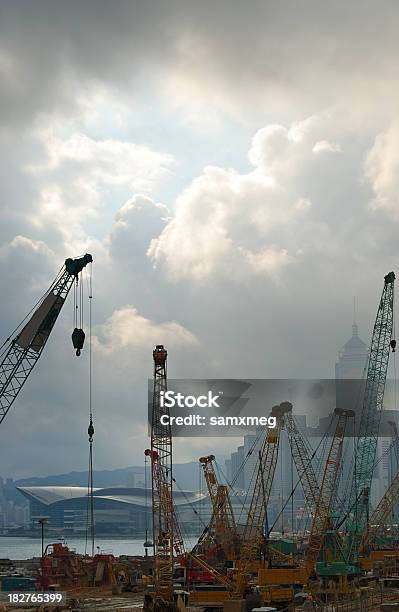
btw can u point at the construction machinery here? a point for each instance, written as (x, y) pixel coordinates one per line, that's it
(254, 528)
(322, 524)
(220, 537)
(275, 584)
(161, 470)
(63, 568)
(328, 554)
(166, 533)
(22, 351)
(307, 569)
(366, 444)
(371, 549)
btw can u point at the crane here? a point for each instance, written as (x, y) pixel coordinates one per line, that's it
(254, 526)
(322, 511)
(210, 476)
(222, 528)
(380, 514)
(166, 532)
(253, 532)
(395, 439)
(307, 476)
(21, 353)
(252, 536)
(303, 461)
(366, 444)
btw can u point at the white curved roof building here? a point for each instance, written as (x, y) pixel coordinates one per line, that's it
(117, 509)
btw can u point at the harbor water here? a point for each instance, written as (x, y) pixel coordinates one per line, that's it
(26, 548)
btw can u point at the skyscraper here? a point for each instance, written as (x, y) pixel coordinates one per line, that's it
(352, 358)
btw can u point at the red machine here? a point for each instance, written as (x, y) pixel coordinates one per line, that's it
(63, 567)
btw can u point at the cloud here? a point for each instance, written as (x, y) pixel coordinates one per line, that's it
(135, 224)
(107, 162)
(26, 266)
(323, 146)
(381, 170)
(126, 328)
(268, 260)
(78, 176)
(126, 131)
(270, 57)
(234, 223)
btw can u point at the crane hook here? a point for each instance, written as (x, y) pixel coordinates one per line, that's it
(78, 340)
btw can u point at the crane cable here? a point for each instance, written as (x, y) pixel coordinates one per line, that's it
(299, 481)
(190, 503)
(90, 486)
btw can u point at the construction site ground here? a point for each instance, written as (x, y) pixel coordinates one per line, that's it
(102, 600)
(90, 599)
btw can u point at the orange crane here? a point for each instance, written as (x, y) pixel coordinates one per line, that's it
(210, 476)
(167, 536)
(166, 532)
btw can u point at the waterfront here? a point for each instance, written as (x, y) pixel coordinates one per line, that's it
(26, 548)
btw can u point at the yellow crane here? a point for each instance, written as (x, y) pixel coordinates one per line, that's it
(222, 529)
(321, 521)
(321, 518)
(253, 533)
(254, 528)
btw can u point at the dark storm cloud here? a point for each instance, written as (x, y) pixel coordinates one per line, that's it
(273, 53)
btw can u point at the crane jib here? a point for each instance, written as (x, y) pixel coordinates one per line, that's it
(23, 351)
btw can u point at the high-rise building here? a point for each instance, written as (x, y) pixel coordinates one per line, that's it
(352, 361)
(352, 358)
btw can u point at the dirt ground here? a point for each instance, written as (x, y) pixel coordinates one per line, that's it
(89, 599)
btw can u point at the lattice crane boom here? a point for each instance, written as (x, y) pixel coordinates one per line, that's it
(22, 352)
(168, 541)
(380, 514)
(253, 531)
(366, 444)
(321, 516)
(303, 462)
(306, 473)
(210, 476)
(222, 528)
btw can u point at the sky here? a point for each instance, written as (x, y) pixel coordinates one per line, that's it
(232, 168)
